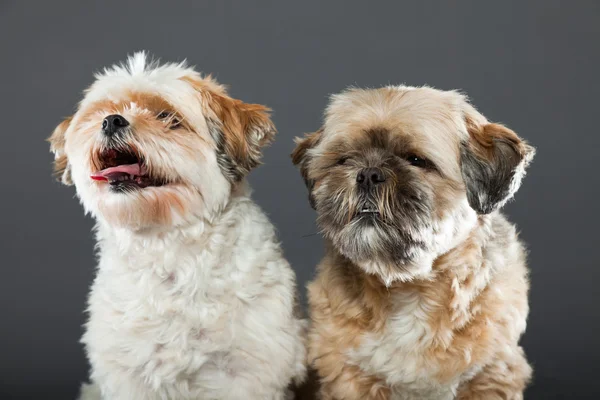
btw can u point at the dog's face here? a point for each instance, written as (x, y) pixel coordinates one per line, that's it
(398, 175)
(155, 145)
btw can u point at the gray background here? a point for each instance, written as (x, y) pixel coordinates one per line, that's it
(530, 64)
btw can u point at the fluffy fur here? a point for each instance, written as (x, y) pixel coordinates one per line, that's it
(422, 293)
(193, 298)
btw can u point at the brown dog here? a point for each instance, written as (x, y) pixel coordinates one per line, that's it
(423, 291)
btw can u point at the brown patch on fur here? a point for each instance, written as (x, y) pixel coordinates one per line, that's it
(148, 101)
(104, 107)
(206, 83)
(239, 129)
(483, 139)
(57, 146)
(152, 207)
(246, 128)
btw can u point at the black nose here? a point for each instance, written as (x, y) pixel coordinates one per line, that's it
(370, 177)
(113, 123)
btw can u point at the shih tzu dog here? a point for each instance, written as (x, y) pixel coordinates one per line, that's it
(193, 298)
(422, 293)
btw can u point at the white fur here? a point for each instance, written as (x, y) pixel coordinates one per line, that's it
(201, 312)
(444, 235)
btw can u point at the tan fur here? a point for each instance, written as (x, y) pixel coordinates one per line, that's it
(470, 323)
(245, 127)
(460, 322)
(344, 303)
(57, 146)
(503, 379)
(309, 141)
(483, 138)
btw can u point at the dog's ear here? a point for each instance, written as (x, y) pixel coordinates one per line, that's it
(493, 163)
(301, 159)
(239, 129)
(62, 169)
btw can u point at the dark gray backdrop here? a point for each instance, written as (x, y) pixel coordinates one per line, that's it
(532, 65)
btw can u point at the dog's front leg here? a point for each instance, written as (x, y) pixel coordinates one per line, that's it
(503, 379)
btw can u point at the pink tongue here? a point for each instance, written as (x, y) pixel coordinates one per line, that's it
(106, 174)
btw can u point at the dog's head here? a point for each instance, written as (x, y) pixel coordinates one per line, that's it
(153, 145)
(398, 175)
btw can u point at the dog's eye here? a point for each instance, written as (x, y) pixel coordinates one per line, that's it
(342, 161)
(419, 162)
(166, 116)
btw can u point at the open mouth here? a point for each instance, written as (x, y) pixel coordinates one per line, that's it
(124, 170)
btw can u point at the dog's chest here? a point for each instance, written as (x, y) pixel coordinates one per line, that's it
(398, 352)
(166, 313)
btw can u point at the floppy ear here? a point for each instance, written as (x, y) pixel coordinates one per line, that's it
(62, 169)
(301, 159)
(240, 131)
(493, 163)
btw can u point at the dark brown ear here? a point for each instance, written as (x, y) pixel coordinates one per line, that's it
(62, 169)
(301, 159)
(493, 163)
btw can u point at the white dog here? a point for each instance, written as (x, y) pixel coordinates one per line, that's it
(193, 298)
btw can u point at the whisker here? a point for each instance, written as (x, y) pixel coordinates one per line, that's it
(309, 235)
